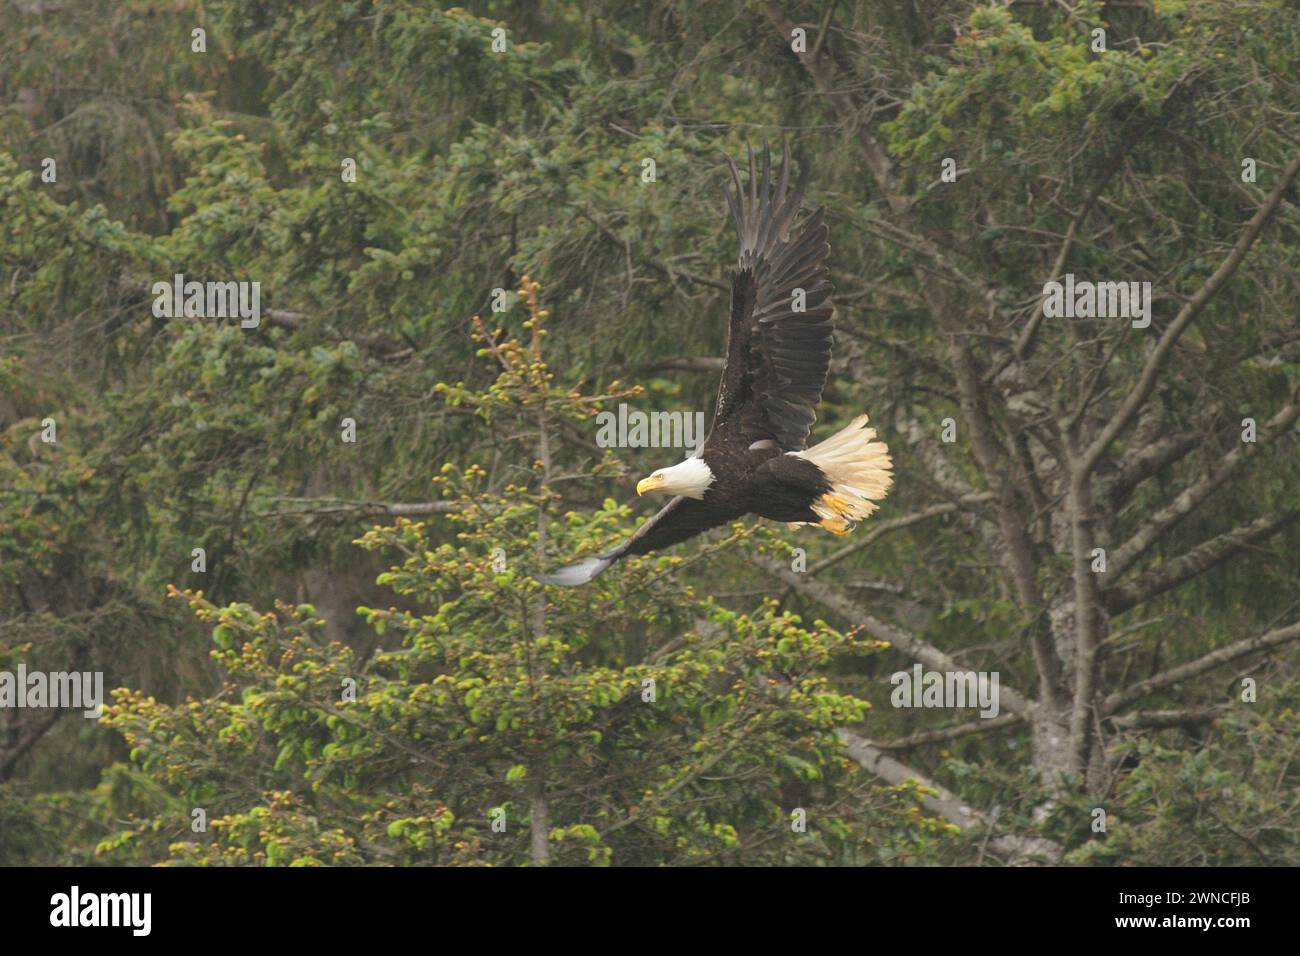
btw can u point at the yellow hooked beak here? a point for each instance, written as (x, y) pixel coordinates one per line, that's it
(649, 484)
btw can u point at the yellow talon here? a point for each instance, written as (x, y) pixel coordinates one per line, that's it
(837, 525)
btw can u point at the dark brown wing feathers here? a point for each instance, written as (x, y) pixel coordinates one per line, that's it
(777, 358)
(678, 520)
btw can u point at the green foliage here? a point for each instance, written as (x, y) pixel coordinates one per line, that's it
(476, 689)
(1231, 802)
(665, 729)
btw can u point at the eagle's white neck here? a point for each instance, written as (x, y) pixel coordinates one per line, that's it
(691, 478)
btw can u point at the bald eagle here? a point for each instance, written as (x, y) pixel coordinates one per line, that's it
(755, 459)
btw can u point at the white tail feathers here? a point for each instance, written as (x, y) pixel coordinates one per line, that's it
(859, 470)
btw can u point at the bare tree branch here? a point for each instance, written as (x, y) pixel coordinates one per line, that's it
(1195, 562)
(893, 524)
(944, 734)
(327, 506)
(946, 804)
(1148, 462)
(1164, 719)
(1200, 665)
(1191, 497)
(916, 648)
(1087, 624)
(1190, 310)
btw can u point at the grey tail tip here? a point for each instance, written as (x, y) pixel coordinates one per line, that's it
(576, 574)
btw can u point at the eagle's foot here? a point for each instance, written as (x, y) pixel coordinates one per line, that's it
(836, 513)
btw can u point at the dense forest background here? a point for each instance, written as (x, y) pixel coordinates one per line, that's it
(460, 250)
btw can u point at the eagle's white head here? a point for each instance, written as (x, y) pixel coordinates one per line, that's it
(690, 478)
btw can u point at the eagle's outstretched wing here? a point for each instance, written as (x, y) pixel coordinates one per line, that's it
(676, 521)
(778, 340)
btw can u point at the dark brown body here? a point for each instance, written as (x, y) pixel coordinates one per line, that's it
(762, 481)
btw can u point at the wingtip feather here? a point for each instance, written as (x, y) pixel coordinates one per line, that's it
(575, 574)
